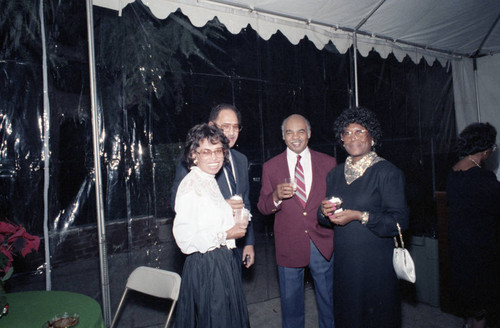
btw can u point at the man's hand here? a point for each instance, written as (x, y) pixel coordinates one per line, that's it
(248, 250)
(283, 191)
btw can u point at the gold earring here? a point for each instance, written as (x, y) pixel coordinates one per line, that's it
(373, 143)
(195, 162)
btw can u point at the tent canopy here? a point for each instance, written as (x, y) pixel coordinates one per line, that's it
(431, 29)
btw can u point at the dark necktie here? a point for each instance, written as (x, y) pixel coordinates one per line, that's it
(301, 182)
(230, 177)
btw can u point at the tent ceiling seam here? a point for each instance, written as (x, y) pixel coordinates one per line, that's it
(370, 14)
(478, 51)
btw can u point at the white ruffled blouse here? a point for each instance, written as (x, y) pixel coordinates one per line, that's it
(202, 214)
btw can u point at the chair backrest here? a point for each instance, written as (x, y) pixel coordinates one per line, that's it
(155, 282)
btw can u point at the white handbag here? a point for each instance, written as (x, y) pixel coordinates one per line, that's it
(402, 261)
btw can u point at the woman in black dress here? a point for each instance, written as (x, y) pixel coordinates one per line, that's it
(372, 190)
(474, 198)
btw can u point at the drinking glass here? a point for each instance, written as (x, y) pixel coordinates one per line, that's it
(293, 181)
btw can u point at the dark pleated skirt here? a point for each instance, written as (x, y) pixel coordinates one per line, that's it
(211, 292)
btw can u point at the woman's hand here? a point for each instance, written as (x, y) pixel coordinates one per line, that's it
(327, 208)
(235, 203)
(344, 217)
(236, 232)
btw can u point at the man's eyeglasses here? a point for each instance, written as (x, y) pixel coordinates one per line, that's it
(227, 127)
(358, 133)
(207, 153)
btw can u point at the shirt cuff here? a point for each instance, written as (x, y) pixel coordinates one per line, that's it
(221, 238)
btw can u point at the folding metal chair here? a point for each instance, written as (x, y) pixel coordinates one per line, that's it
(154, 282)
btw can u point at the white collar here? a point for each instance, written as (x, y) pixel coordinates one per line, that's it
(201, 172)
(305, 154)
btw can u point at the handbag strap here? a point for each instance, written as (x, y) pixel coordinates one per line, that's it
(400, 237)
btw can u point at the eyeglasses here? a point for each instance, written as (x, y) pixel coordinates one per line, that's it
(227, 127)
(358, 133)
(207, 153)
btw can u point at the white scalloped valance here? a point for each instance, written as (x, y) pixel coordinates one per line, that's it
(433, 30)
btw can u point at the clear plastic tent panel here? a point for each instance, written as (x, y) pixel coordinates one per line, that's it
(156, 79)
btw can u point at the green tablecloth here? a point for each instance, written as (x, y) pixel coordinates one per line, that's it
(33, 309)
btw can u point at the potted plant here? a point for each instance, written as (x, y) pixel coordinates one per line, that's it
(14, 241)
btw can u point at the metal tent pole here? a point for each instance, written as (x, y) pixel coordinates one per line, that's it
(355, 58)
(476, 89)
(46, 153)
(101, 228)
(355, 45)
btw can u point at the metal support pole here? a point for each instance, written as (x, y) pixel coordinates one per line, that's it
(101, 228)
(474, 62)
(46, 153)
(355, 58)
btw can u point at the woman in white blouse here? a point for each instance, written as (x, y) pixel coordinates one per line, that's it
(211, 292)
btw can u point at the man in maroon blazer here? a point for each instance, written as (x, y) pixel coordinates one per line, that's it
(300, 241)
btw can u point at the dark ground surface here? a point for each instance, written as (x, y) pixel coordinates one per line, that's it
(260, 284)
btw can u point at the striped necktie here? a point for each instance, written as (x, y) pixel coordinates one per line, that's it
(301, 182)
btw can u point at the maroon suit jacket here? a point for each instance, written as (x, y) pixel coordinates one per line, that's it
(294, 226)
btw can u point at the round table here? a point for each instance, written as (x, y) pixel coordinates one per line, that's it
(35, 308)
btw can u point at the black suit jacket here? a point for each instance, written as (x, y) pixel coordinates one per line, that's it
(240, 163)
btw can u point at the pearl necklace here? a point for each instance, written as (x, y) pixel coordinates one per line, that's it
(473, 161)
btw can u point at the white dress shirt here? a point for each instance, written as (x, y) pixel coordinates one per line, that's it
(202, 214)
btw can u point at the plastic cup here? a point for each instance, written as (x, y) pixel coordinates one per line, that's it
(241, 217)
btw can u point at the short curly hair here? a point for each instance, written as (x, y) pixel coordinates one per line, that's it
(475, 138)
(196, 135)
(359, 115)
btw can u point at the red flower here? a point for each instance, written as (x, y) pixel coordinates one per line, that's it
(14, 240)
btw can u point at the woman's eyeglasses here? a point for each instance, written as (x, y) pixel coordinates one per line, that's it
(358, 133)
(207, 153)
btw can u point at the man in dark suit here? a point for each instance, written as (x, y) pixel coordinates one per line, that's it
(300, 241)
(232, 178)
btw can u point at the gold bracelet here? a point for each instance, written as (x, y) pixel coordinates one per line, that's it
(364, 218)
